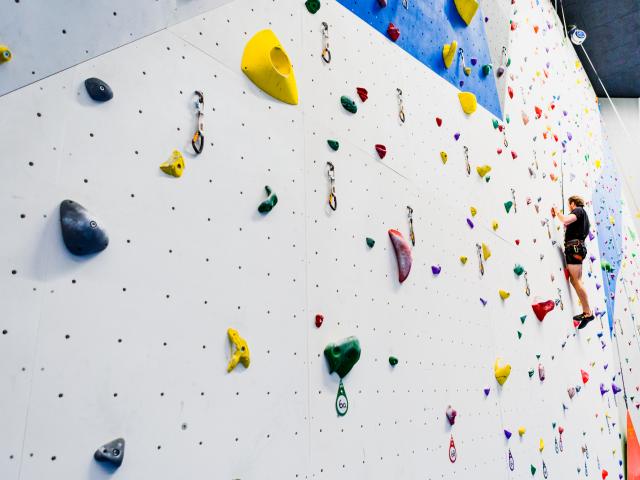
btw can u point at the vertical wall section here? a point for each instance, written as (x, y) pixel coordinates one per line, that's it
(132, 342)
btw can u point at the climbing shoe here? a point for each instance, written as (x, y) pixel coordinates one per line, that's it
(583, 319)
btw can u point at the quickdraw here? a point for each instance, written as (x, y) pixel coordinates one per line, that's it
(512, 464)
(465, 69)
(479, 248)
(527, 290)
(560, 296)
(545, 472)
(405, 4)
(400, 106)
(513, 195)
(333, 200)
(411, 233)
(197, 142)
(466, 160)
(557, 445)
(501, 68)
(326, 54)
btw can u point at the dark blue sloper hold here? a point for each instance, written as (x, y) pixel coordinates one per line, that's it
(98, 90)
(80, 230)
(112, 452)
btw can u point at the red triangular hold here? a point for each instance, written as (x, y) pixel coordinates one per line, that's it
(585, 376)
(633, 451)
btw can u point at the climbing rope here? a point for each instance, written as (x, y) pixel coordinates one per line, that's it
(197, 142)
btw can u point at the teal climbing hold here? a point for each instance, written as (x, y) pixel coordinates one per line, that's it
(312, 5)
(486, 69)
(508, 205)
(393, 361)
(495, 123)
(341, 357)
(270, 202)
(370, 242)
(518, 269)
(334, 145)
(348, 104)
(523, 318)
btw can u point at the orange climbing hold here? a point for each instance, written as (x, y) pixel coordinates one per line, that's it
(633, 451)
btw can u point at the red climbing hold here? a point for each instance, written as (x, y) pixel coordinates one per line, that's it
(605, 474)
(541, 309)
(439, 121)
(585, 376)
(362, 93)
(517, 242)
(381, 149)
(382, 3)
(393, 32)
(510, 91)
(403, 254)
(538, 112)
(319, 320)
(514, 155)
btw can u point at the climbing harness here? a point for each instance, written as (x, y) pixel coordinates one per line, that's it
(465, 69)
(197, 142)
(333, 200)
(479, 248)
(513, 195)
(527, 290)
(326, 54)
(502, 67)
(466, 160)
(400, 105)
(411, 234)
(453, 453)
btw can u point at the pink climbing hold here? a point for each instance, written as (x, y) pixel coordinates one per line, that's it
(499, 151)
(541, 309)
(403, 254)
(393, 32)
(381, 149)
(451, 415)
(362, 93)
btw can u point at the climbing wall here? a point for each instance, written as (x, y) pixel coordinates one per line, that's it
(132, 342)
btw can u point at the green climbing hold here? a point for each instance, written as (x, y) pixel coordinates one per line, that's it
(312, 5)
(518, 269)
(538, 356)
(486, 69)
(519, 334)
(370, 242)
(523, 318)
(348, 104)
(533, 470)
(508, 61)
(508, 205)
(342, 356)
(487, 178)
(334, 145)
(531, 372)
(495, 123)
(269, 203)
(605, 265)
(508, 118)
(393, 361)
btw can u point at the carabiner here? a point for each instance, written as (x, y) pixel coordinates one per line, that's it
(326, 54)
(197, 142)
(400, 105)
(411, 233)
(479, 248)
(333, 200)
(466, 159)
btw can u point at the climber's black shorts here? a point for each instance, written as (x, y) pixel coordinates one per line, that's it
(575, 253)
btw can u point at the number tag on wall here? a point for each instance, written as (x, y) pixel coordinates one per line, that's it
(342, 403)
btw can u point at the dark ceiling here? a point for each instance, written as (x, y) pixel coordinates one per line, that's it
(613, 42)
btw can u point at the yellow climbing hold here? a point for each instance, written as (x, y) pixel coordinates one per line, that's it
(463, 260)
(5, 54)
(612, 220)
(486, 253)
(501, 372)
(474, 211)
(467, 9)
(494, 225)
(449, 53)
(175, 165)
(483, 170)
(241, 354)
(541, 447)
(598, 163)
(444, 157)
(504, 294)
(267, 65)
(468, 102)
(521, 431)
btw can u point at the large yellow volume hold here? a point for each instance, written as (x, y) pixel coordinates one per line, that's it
(467, 9)
(501, 373)
(267, 65)
(468, 102)
(5, 54)
(241, 353)
(449, 53)
(175, 165)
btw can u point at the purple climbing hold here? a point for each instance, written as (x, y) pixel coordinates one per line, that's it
(483, 301)
(486, 392)
(470, 223)
(474, 61)
(436, 269)
(591, 237)
(507, 434)
(615, 389)
(598, 286)
(602, 389)
(456, 136)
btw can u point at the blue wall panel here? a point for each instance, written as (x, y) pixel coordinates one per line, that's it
(424, 28)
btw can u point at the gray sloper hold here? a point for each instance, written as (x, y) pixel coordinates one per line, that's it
(112, 452)
(81, 231)
(98, 89)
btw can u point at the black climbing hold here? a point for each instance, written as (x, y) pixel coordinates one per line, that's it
(98, 90)
(80, 230)
(112, 452)
(312, 5)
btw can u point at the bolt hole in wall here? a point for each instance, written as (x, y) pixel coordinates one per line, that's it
(422, 362)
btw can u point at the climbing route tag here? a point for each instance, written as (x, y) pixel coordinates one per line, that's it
(453, 453)
(342, 402)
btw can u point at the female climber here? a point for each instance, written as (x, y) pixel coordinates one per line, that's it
(576, 226)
